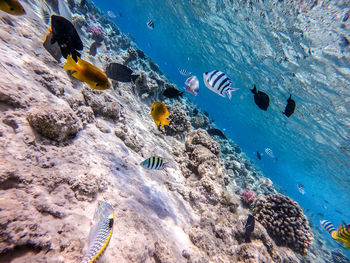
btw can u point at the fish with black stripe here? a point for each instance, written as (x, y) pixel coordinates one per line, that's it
(218, 82)
(342, 234)
(153, 163)
(100, 232)
(150, 24)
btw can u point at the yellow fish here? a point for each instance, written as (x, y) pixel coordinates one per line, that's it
(159, 112)
(86, 72)
(342, 235)
(12, 7)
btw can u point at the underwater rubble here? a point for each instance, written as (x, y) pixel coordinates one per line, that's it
(63, 146)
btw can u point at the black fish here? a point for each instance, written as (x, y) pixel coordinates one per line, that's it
(249, 228)
(261, 99)
(258, 155)
(120, 72)
(64, 33)
(289, 110)
(217, 132)
(172, 93)
(195, 112)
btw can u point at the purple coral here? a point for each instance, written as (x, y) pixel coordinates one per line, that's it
(97, 33)
(248, 196)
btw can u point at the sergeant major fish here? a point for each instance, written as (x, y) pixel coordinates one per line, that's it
(88, 73)
(150, 24)
(342, 234)
(100, 232)
(153, 163)
(218, 82)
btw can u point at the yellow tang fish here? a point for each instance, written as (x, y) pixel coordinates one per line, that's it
(86, 72)
(159, 112)
(12, 7)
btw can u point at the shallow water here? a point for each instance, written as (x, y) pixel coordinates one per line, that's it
(284, 47)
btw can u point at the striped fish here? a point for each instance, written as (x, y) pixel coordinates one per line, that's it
(342, 234)
(269, 152)
(218, 82)
(100, 232)
(184, 72)
(150, 24)
(153, 163)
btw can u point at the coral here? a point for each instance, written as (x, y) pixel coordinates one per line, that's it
(131, 140)
(130, 55)
(54, 122)
(200, 121)
(179, 122)
(339, 257)
(97, 33)
(248, 196)
(78, 20)
(201, 137)
(284, 220)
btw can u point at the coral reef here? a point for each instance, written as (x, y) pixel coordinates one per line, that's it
(179, 123)
(248, 196)
(284, 220)
(97, 33)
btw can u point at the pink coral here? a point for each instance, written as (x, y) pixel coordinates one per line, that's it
(97, 33)
(248, 196)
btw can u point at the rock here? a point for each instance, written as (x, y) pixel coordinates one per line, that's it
(10, 120)
(55, 122)
(132, 141)
(162, 253)
(339, 257)
(179, 122)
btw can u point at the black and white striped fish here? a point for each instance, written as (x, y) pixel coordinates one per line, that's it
(184, 72)
(150, 24)
(218, 82)
(153, 163)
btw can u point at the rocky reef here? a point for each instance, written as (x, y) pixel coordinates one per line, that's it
(64, 146)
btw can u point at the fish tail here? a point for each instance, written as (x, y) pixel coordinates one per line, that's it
(134, 77)
(181, 94)
(164, 122)
(71, 64)
(231, 90)
(254, 90)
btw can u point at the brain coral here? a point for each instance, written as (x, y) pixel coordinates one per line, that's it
(284, 220)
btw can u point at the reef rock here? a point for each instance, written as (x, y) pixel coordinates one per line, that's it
(179, 122)
(284, 220)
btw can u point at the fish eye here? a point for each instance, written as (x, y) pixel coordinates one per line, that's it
(97, 84)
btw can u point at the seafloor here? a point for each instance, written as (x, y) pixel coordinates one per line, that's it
(64, 146)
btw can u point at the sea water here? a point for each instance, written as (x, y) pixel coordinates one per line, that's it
(284, 47)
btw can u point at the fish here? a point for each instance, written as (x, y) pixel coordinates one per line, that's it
(269, 152)
(289, 110)
(258, 155)
(218, 82)
(64, 33)
(111, 14)
(184, 72)
(100, 232)
(153, 163)
(120, 72)
(216, 132)
(88, 73)
(249, 228)
(172, 93)
(342, 234)
(93, 48)
(159, 113)
(53, 49)
(12, 7)
(301, 189)
(150, 24)
(262, 100)
(64, 10)
(82, 3)
(192, 85)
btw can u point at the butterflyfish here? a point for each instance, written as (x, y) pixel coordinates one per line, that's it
(159, 113)
(88, 73)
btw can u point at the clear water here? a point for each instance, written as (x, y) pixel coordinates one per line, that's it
(283, 47)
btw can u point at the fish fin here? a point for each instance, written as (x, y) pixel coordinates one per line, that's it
(231, 90)
(181, 94)
(134, 77)
(254, 90)
(71, 65)
(290, 97)
(164, 122)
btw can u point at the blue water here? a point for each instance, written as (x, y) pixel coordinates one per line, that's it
(281, 46)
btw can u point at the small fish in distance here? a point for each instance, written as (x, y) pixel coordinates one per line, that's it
(269, 152)
(150, 24)
(301, 189)
(12, 7)
(249, 228)
(289, 110)
(258, 155)
(216, 132)
(218, 82)
(120, 73)
(172, 93)
(153, 163)
(184, 72)
(111, 14)
(64, 33)
(192, 85)
(88, 73)
(261, 99)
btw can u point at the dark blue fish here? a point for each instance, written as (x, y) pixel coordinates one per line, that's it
(216, 132)
(258, 155)
(289, 110)
(261, 99)
(249, 228)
